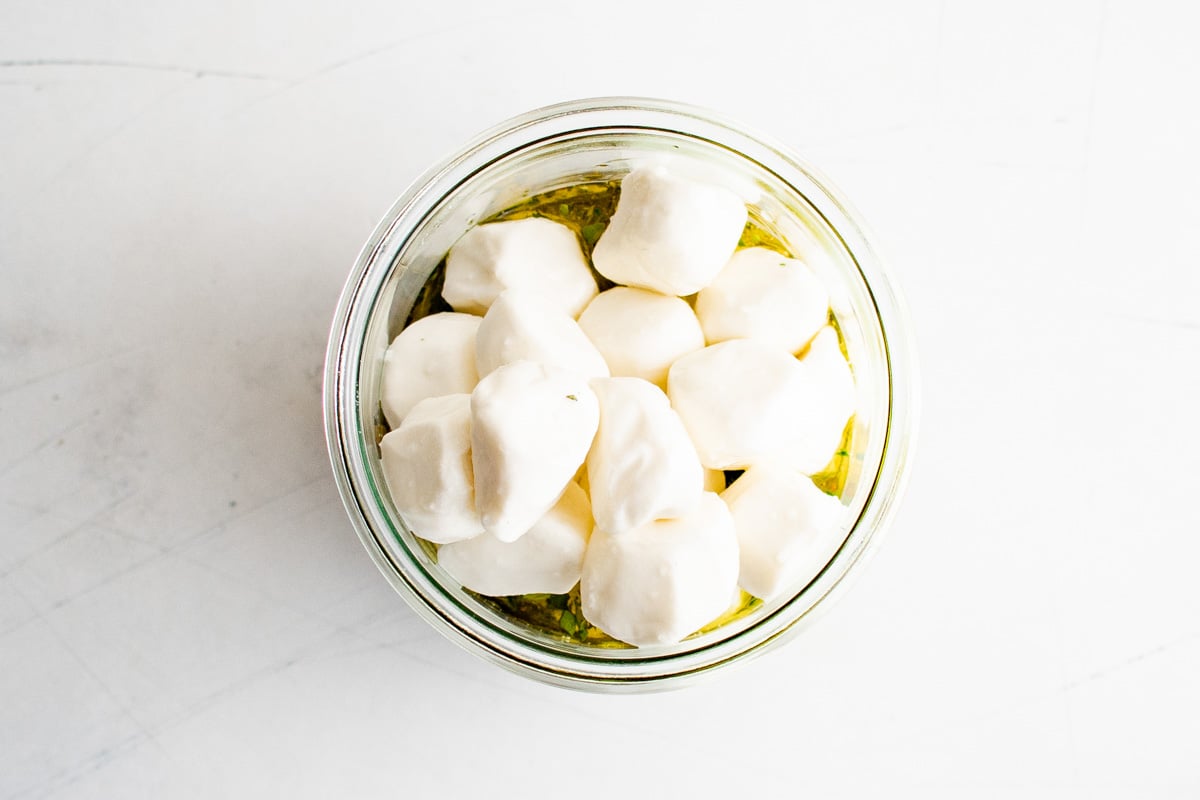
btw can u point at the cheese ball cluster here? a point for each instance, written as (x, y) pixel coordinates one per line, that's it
(545, 434)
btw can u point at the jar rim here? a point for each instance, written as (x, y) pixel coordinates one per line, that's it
(363, 292)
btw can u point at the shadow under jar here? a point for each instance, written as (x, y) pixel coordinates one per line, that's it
(598, 142)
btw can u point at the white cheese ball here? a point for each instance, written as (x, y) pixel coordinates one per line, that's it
(744, 402)
(533, 253)
(427, 469)
(432, 357)
(763, 295)
(548, 558)
(641, 333)
(738, 400)
(669, 234)
(642, 465)
(531, 428)
(660, 582)
(787, 529)
(520, 326)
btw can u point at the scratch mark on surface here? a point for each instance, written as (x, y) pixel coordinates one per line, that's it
(15, 565)
(1124, 664)
(142, 732)
(111, 578)
(244, 511)
(1090, 124)
(69, 776)
(334, 66)
(1179, 324)
(45, 376)
(1065, 700)
(326, 69)
(25, 616)
(75, 161)
(42, 445)
(200, 705)
(197, 72)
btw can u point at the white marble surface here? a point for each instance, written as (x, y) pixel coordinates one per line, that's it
(185, 610)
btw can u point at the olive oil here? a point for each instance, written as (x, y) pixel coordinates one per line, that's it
(587, 208)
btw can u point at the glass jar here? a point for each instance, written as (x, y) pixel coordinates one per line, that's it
(598, 140)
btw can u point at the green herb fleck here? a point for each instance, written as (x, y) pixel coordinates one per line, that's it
(568, 623)
(591, 232)
(572, 397)
(564, 209)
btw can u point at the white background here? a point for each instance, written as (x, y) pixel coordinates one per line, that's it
(185, 610)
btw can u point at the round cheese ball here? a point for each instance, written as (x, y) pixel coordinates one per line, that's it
(534, 253)
(548, 558)
(531, 428)
(763, 295)
(432, 357)
(642, 465)
(664, 580)
(641, 333)
(744, 402)
(787, 528)
(427, 469)
(669, 233)
(520, 326)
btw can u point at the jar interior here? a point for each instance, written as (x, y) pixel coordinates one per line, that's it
(565, 160)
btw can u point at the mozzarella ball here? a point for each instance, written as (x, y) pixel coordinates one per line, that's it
(642, 465)
(738, 400)
(641, 333)
(763, 295)
(548, 558)
(427, 469)
(531, 428)
(787, 529)
(521, 327)
(432, 357)
(744, 402)
(669, 233)
(534, 253)
(664, 580)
